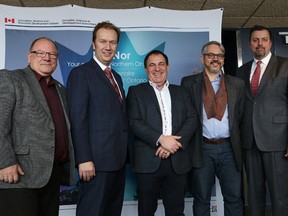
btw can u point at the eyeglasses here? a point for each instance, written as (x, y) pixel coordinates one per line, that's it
(42, 54)
(220, 56)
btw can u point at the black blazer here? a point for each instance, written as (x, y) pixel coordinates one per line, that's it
(98, 121)
(236, 101)
(146, 124)
(266, 114)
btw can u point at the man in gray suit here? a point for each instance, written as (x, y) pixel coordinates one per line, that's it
(219, 101)
(265, 125)
(36, 150)
(163, 120)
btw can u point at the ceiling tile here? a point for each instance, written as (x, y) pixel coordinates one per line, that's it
(50, 3)
(11, 2)
(115, 4)
(236, 14)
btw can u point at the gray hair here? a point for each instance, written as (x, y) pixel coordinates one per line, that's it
(204, 48)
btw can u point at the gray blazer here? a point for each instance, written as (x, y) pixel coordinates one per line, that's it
(236, 101)
(27, 130)
(146, 124)
(266, 114)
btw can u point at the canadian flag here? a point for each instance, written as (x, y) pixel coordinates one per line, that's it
(8, 20)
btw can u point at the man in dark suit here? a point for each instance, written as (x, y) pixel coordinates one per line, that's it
(163, 120)
(265, 125)
(36, 148)
(96, 102)
(219, 101)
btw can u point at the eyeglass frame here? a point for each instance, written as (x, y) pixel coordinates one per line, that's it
(42, 54)
(220, 56)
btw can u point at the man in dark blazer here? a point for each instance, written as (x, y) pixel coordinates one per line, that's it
(264, 130)
(36, 153)
(219, 101)
(96, 102)
(162, 120)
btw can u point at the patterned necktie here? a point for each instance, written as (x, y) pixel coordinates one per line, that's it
(255, 78)
(110, 77)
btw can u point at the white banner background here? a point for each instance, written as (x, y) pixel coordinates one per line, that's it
(180, 34)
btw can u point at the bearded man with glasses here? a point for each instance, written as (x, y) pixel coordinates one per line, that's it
(216, 146)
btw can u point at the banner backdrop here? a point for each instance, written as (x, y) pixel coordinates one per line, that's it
(180, 34)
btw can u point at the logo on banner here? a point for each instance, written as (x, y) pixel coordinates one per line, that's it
(70, 59)
(127, 62)
(9, 20)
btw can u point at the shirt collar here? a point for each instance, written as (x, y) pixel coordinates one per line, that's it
(166, 85)
(40, 78)
(218, 78)
(264, 60)
(103, 67)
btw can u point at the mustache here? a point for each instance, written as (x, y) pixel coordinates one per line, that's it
(215, 61)
(260, 47)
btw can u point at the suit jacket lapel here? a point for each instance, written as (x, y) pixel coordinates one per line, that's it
(63, 102)
(101, 75)
(198, 90)
(231, 92)
(151, 94)
(173, 105)
(246, 77)
(268, 73)
(121, 88)
(37, 90)
(119, 82)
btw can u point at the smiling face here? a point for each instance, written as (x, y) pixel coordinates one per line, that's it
(260, 44)
(105, 45)
(157, 69)
(213, 60)
(43, 65)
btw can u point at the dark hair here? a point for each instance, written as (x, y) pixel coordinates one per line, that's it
(259, 28)
(155, 52)
(106, 25)
(204, 48)
(41, 38)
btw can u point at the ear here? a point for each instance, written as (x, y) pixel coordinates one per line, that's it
(202, 59)
(94, 47)
(29, 57)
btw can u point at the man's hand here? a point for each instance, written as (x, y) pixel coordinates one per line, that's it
(286, 155)
(86, 171)
(162, 153)
(11, 174)
(170, 143)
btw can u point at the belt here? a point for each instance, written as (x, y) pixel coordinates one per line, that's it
(216, 141)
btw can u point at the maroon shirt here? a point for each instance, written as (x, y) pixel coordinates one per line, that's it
(57, 113)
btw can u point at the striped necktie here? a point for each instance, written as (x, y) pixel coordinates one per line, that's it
(255, 78)
(110, 77)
